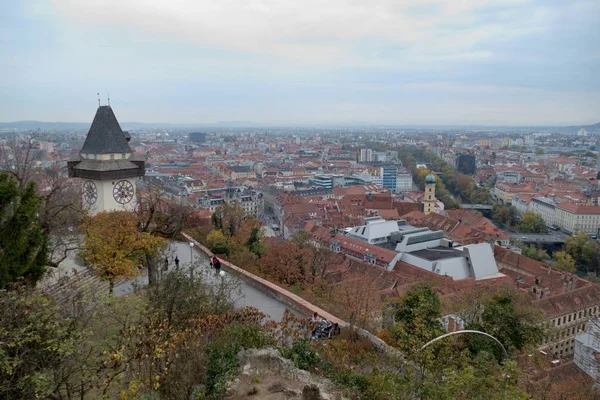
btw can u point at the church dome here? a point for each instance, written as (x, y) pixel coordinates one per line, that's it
(430, 178)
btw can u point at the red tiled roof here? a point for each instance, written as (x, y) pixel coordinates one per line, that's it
(357, 246)
(577, 209)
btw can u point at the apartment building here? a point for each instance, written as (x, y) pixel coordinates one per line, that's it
(566, 300)
(573, 218)
(504, 192)
(546, 207)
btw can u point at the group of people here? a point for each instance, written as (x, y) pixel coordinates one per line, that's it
(214, 262)
(166, 266)
(322, 328)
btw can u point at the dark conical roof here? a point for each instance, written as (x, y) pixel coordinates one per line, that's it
(105, 134)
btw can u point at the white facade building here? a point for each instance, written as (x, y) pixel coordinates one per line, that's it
(546, 207)
(587, 349)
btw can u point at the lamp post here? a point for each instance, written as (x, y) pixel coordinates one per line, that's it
(192, 260)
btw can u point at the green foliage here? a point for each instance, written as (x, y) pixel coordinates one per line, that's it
(228, 218)
(449, 182)
(564, 261)
(506, 315)
(217, 242)
(221, 365)
(592, 277)
(584, 250)
(254, 243)
(180, 298)
(532, 222)
(23, 244)
(462, 378)
(506, 215)
(222, 362)
(302, 355)
(535, 252)
(32, 340)
(416, 318)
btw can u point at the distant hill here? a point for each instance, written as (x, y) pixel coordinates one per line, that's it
(83, 126)
(594, 128)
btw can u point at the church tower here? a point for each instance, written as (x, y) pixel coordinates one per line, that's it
(107, 166)
(429, 199)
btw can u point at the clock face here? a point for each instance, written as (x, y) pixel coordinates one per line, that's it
(123, 192)
(90, 192)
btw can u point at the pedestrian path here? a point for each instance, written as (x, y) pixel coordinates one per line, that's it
(249, 295)
(246, 296)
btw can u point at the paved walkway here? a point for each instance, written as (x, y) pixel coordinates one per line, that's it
(250, 296)
(247, 296)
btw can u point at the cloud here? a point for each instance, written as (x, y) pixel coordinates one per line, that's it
(306, 30)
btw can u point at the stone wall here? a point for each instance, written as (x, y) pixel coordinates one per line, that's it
(293, 301)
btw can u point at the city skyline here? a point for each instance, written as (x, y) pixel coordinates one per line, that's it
(300, 63)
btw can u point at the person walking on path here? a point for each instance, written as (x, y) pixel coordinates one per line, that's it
(176, 262)
(166, 267)
(216, 264)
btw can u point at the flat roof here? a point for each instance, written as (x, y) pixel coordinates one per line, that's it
(435, 253)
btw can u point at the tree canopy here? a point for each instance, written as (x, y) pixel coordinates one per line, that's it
(584, 250)
(115, 247)
(564, 261)
(532, 222)
(23, 244)
(504, 214)
(416, 316)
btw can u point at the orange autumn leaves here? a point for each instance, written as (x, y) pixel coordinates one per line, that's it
(114, 245)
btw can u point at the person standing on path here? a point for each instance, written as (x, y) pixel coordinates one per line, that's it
(176, 262)
(216, 264)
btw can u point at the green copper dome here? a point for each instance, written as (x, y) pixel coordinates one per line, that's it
(430, 178)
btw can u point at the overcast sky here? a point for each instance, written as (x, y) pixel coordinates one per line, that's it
(302, 61)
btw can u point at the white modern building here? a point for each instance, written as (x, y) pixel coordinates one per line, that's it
(423, 248)
(366, 155)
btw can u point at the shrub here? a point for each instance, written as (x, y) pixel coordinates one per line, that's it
(303, 356)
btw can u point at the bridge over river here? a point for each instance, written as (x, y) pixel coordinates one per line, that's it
(529, 238)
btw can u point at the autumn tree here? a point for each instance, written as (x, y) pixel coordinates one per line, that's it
(228, 217)
(23, 244)
(114, 246)
(217, 242)
(584, 250)
(161, 216)
(285, 262)
(564, 261)
(355, 299)
(532, 222)
(320, 262)
(504, 214)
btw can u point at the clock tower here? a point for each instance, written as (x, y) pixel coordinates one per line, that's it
(107, 166)
(429, 200)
